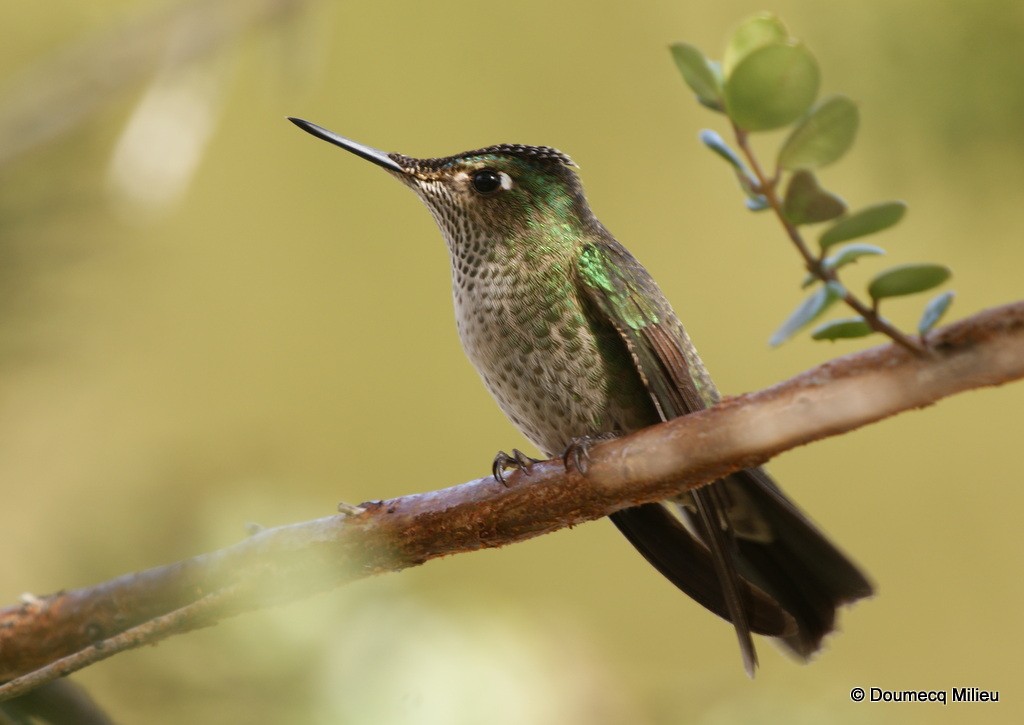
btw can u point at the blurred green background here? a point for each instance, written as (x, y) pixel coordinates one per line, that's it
(207, 318)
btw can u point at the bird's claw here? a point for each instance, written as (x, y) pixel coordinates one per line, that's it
(578, 451)
(503, 461)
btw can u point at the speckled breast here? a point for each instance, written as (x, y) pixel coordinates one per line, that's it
(555, 373)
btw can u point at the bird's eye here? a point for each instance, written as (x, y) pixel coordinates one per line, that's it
(487, 181)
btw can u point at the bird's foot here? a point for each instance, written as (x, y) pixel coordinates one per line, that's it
(518, 461)
(578, 451)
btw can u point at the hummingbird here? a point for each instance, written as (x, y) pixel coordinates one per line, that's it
(576, 342)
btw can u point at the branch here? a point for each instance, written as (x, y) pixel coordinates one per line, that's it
(293, 562)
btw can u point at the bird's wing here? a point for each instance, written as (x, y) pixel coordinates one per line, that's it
(623, 294)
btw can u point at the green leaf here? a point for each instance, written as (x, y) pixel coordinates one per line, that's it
(755, 201)
(699, 75)
(870, 220)
(851, 253)
(823, 136)
(808, 311)
(751, 34)
(847, 255)
(772, 87)
(716, 143)
(907, 279)
(807, 203)
(934, 311)
(845, 328)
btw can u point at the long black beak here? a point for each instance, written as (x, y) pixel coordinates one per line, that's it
(367, 152)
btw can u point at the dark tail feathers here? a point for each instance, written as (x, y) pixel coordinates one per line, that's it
(793, 580)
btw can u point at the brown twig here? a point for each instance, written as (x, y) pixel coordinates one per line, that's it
(199, 613)
(291, 562)
(767, 187)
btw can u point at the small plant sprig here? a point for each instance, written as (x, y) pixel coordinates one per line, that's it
(767, 81)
